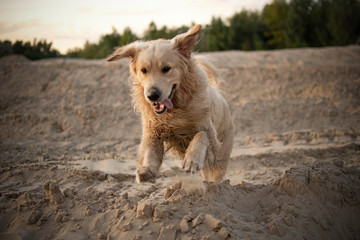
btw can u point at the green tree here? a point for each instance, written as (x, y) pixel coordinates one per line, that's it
(343, 21)
(300, 28)
(246, 31)
(106, 44)
(127, 37)
(18, 47)
(217, 35)
(175, 31)
(5, 48)
(74, 52)
(89, 51)
(274, 15)
(151, 32)
(320, 17)
(35, 50)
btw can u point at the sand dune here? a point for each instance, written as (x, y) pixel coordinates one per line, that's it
(69, 138)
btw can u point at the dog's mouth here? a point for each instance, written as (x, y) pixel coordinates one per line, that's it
(161, 107)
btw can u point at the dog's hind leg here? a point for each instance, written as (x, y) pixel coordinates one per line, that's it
(196, 152)
(216, 165)
(150, 159)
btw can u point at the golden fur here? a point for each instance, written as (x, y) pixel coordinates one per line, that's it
(194, 121)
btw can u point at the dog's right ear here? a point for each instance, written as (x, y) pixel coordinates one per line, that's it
(129, 50)
(185, 42)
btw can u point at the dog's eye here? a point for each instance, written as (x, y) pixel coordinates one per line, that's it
(143, 70)
(165, 69)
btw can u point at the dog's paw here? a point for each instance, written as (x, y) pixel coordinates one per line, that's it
(144, 174)
(194, 159)
(192, 164)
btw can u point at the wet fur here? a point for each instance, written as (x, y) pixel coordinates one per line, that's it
(198, 128)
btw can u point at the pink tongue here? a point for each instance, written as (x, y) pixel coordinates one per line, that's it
(168, 103)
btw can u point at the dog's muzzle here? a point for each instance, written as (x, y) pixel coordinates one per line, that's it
(161, 107)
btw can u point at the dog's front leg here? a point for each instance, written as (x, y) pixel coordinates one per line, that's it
(196, 152)
(150, 159)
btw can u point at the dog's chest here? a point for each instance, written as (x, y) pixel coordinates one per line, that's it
(178, 129)
(177, 138)
(183, 134)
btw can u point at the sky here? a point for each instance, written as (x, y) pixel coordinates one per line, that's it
(69, 23)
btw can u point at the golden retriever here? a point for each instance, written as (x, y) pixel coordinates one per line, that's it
(180, 105)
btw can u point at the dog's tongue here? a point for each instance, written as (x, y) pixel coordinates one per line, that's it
(168, 103)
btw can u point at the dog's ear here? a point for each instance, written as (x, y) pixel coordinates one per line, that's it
(185, 42)
(129, 50)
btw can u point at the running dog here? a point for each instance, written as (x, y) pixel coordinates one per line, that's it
(181, 106)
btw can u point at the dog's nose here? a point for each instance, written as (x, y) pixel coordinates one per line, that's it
(154, 94)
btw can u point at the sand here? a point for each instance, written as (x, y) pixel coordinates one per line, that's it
(69, 138)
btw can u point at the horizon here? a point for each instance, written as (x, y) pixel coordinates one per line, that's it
(69, 25)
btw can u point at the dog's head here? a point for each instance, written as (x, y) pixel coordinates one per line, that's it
(156, 66)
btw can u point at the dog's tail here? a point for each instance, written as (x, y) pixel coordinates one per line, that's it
(212, 72)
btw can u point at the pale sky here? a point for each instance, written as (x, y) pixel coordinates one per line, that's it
(69, 23)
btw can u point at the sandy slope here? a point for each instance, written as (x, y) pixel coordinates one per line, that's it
(69, 136)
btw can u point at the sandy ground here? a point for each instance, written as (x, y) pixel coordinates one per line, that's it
(69, 138)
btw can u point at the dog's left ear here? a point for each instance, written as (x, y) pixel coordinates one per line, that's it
(129, 50)
(185, 42)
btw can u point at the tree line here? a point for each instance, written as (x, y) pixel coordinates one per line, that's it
(280, 24)
(32, 50)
